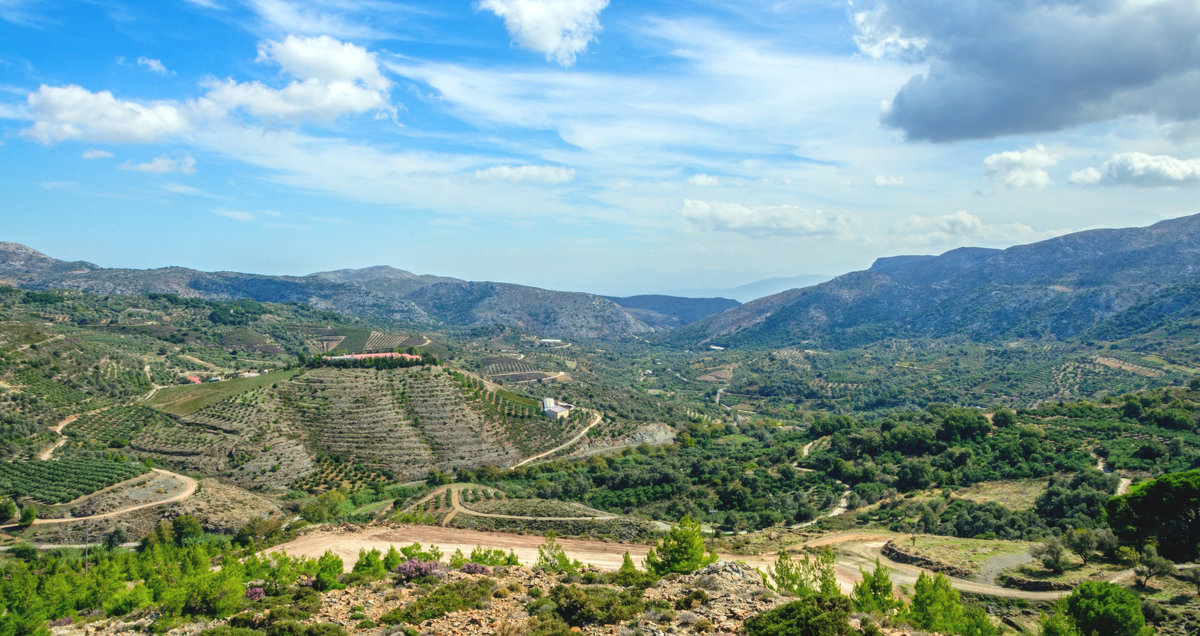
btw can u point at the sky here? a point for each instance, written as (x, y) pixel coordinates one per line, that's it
(596, 145)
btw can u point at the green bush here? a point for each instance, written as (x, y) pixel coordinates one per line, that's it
(452, 597)
(820, 615)
(681, 550)
(579, 606)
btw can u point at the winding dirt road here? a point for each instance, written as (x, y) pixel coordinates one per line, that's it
(189, 484)
(578, 436)
(188, 490)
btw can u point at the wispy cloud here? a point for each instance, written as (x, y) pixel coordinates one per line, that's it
(236, 215)
(154, 65)
(164, 164)
(545, 174)
(93, 153)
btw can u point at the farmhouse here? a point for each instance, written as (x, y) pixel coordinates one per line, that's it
(556, 410)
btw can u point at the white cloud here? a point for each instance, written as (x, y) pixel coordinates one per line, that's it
(94, 153)
(333, 78)
(884, 181)
(58, 185)
(205, 4)
(72, 112)
(765, 221)
(1141, 170)
(1020, 168)
(961, 228)
(236, 215)
(164, 164)
(561, 29)
(326, 60)
(153, 64)
(547, 174)
(704, 180)
(317, 17)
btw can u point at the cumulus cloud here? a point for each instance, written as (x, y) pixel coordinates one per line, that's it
(884, 181)
(766, 220)
(561, 29)
(72, 112)
(164, 164)
(998, 67)
(153, 64)
(1020, 168)
(704, 180)
(333, 78)
(1141, 170)
(94, 153)
(546, 174)
(961, 228)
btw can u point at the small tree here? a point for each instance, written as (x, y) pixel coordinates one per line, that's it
(811, 574)
(8, 509)
(552, 558)
(1099, 607)
(1151, 565)
(392, 559)
(1051, 554)
(329, 572)
(874, 593)
(1082, 542)
(680, 550)
(936, 605)
(28, 516)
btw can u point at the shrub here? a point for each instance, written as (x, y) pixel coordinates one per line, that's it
(552, 558)
(475, 568)
(452, 597)
(415, 569)
(594, 606)
(819, 615)
(1104, 608)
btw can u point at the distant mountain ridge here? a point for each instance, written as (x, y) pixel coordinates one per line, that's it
(1058, 288)
(380, 291)
(667, 312)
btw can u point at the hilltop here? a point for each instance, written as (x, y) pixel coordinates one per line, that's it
(379, 292)
(1115, 282)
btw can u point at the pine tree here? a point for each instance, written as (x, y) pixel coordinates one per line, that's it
(681, 550)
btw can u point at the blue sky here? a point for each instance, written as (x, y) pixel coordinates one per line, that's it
(599, 145)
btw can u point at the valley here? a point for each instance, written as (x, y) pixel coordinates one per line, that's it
(998, 461)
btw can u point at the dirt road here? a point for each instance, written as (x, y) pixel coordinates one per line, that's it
(189, 490)
(602, 554)
(855, 550)
(578, 436)
(62, 439)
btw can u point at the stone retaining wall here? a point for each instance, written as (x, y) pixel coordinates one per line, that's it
(893, 551)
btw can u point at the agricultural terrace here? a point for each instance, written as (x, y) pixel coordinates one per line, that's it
(62, 480)
(114, 426)
(182, 400)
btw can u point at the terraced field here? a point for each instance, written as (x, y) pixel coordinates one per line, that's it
(362, 423)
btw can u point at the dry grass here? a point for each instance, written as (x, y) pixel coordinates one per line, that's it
(1014, 495)
(187, 399)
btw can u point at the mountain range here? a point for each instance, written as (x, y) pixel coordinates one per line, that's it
(1109, 281)
(382, 291)
(1112, 281)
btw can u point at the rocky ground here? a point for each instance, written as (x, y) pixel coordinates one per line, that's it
(732, 592)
